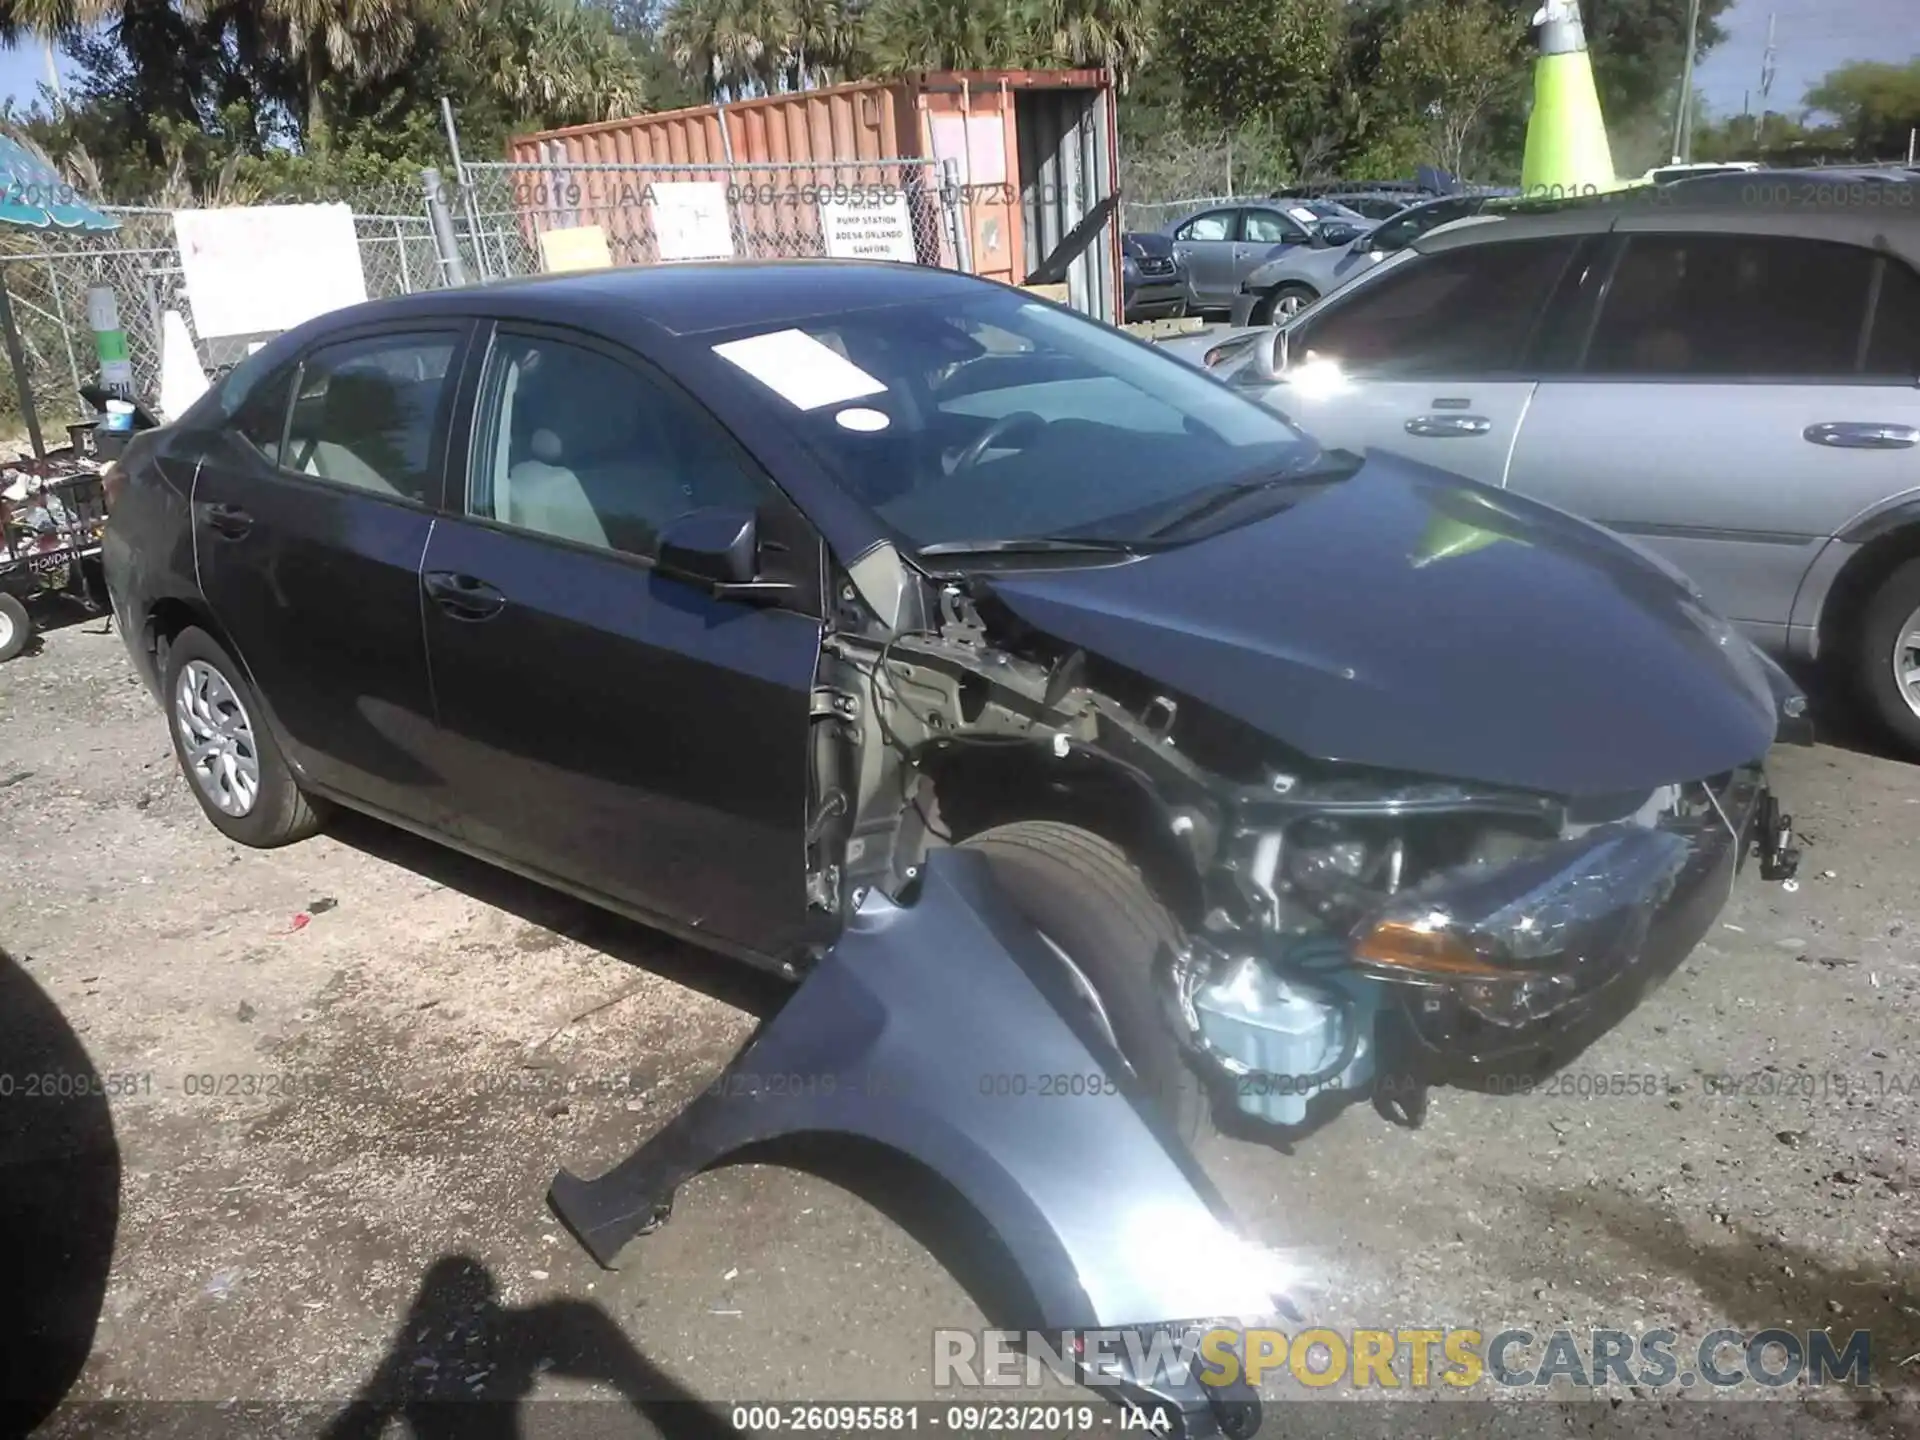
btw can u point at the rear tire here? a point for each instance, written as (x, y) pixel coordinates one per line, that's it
(1890, 647)
(16, 627)
(1084, 895)
(226, 750)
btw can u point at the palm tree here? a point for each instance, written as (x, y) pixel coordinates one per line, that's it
(730, 46)
(908, 35)
(553, 61)
(351, 39)
(1115, 34)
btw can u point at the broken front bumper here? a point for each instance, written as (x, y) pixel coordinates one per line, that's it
(1609, 917)
(947, 1032)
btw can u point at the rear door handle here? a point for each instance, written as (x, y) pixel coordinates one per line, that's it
(462, 596)
(228, 520)
(1440, 426)
(1863, 435)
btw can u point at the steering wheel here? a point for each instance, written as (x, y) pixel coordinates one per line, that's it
(999, 430)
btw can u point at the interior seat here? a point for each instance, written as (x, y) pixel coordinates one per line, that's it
(546, 496)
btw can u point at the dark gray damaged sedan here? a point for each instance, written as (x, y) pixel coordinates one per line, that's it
(1091, 748)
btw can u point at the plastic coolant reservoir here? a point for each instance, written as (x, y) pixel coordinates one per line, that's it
(1287, 1031)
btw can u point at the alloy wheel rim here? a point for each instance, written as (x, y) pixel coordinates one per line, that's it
(6, 629)
(1291, 304)
(216, 737)
(1906, 662)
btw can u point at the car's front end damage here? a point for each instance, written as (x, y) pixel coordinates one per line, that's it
(1435, 784)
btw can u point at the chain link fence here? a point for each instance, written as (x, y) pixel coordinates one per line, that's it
(890, 209)
(486, 225)
(48, 274)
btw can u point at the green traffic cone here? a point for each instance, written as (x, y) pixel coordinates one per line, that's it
(1567, 151)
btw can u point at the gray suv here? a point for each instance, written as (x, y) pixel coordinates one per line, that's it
(1729, 374)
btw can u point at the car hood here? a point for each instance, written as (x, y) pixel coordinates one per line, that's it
(1409, 619)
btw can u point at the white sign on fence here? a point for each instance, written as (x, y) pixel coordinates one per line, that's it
(866, 228)
(267, 267)
(690, 220)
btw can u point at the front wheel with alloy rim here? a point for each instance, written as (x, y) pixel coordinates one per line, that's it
(1095, 911)
(1283, 302)
(16, 626)
(230, 758)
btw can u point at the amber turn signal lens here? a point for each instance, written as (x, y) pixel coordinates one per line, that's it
(1400, 945)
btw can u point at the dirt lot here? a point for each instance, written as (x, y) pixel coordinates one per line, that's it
(360, 1210)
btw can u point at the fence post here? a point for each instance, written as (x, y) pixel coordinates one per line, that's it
(442, 220)
(23, 382)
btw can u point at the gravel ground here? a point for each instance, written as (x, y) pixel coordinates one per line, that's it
(360, 1208)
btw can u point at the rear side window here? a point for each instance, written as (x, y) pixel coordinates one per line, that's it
(366, 414)
(1216, 225)
(1893, 346)
(1733, 305)
(1458, 313)
(1269, 227)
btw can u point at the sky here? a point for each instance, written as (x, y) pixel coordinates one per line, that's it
(1811, 37)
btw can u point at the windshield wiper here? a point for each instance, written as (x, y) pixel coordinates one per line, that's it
(1034, 545)
(1326, 467)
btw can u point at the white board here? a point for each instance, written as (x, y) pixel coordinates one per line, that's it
(868, 229)
(690, 220)
(267, 267)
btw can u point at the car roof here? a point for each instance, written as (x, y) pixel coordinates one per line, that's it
(685, 298)
(1795, 203)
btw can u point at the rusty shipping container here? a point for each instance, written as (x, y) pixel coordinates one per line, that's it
(1021, 165)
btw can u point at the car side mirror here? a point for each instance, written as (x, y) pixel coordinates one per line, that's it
(1270, 356)
(718, 547)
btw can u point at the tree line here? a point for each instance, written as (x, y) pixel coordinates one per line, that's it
(230, 100)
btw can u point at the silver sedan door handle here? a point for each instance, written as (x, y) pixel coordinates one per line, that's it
(1863, 435)
(1444, 425)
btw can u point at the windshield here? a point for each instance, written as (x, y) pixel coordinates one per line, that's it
(1001, 418)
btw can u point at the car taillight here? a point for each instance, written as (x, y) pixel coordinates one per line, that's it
(112, 481)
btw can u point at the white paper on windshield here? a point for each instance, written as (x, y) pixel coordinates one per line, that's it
(1304, 215)
(799, 369)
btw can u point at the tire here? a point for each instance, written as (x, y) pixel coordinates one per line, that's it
(1084, 895)
(275, 812)
(1274, 306)
(1892, 614)
(16, 627)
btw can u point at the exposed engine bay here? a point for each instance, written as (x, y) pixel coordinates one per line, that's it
(1348, 931)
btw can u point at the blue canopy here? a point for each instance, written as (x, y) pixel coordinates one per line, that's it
(33, 194)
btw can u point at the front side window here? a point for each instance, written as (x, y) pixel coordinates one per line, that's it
(367, 414)
(580, 445)
(998, 417)
(1733, 305)
(1458, 313)
(1215, 225)
(259, 416)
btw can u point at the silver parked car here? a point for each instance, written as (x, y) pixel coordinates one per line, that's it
(1221, 246)
(1294, 279)
(1729, 372)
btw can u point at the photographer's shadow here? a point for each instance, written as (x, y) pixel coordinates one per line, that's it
(461, 1363)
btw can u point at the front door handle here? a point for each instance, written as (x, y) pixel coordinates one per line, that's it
(462, 596)
(1440, 426)
(228, 520)
(1863, 435)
